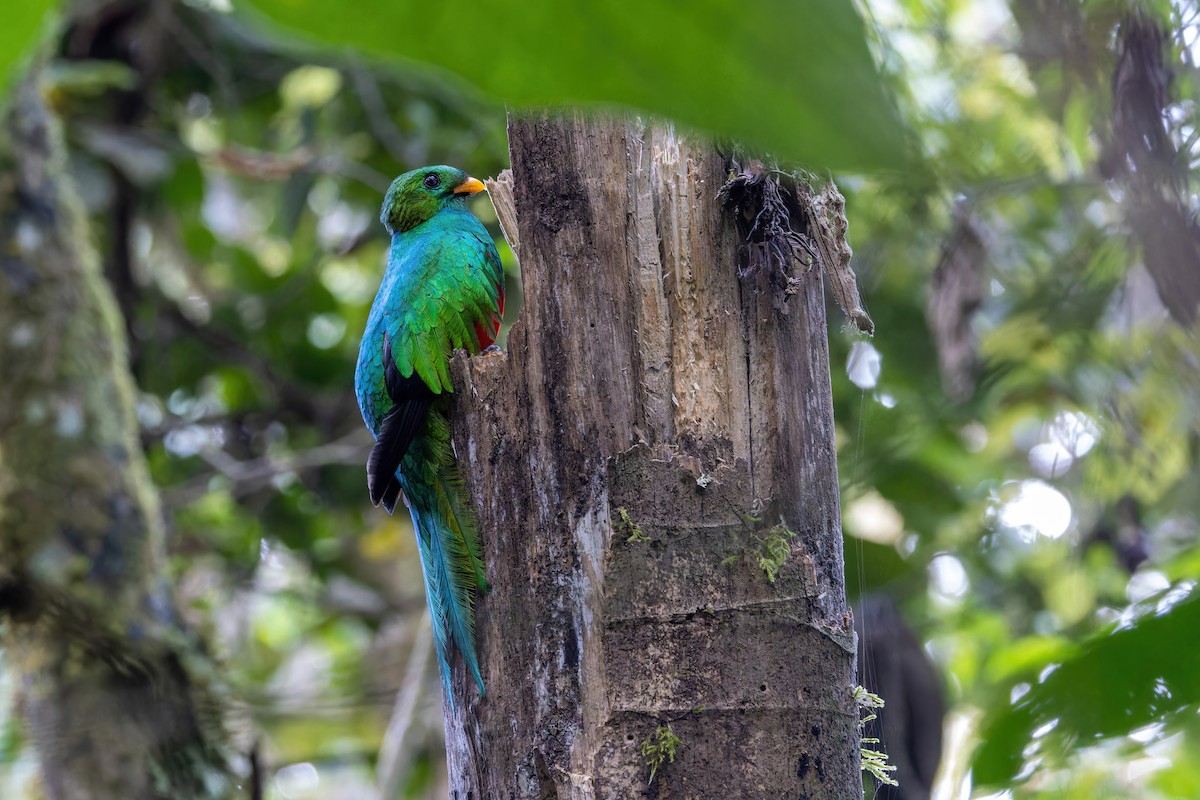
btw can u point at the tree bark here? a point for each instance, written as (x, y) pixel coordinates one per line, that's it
(104, 674)
(646, 387)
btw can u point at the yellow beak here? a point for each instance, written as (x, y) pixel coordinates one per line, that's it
(469, 186)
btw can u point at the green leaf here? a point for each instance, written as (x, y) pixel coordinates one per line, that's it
(794, 78)
(23, 21)
(1026, 654)
(1120, 681)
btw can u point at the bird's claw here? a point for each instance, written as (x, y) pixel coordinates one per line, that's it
(493, 348)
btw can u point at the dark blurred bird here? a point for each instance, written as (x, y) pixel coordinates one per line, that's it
(893, 665)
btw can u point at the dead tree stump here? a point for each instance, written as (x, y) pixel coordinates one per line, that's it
(654, 423)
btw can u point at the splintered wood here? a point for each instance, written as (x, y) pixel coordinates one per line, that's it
(827, 213)
(500, 190)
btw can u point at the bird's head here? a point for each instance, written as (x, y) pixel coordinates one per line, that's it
(416, 196)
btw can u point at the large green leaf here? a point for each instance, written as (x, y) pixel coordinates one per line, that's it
(22, 22)
(794, 78)
(1117, 682)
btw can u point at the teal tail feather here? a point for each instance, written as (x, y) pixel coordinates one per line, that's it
(448, 544)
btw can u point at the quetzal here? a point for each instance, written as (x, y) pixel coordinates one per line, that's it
(443, 289)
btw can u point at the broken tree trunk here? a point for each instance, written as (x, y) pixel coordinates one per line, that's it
(657, 428)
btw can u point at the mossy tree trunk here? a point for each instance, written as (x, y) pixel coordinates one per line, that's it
(656, 426)
(105, 678)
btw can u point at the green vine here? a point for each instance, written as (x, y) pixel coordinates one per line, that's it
(770, 548)
(627, 528)
(873, 761)
(773, 548)
(659, 748)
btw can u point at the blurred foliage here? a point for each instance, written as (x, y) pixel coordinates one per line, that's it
(22, 23)
(1124, 681)
(234, 190)
(774, 73)
(1040, 530)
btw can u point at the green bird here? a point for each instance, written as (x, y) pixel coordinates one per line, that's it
(443, 289)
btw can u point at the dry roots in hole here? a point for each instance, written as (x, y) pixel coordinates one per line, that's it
(781, 223)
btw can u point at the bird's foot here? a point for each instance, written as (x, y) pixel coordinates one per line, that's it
(494, 348)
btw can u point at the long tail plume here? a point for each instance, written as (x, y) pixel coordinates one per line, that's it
(448, 544)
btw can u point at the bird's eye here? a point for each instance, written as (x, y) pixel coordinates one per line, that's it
(432, 181)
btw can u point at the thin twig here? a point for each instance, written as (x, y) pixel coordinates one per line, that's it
(396, 752)
(248, 476)
(385, 130)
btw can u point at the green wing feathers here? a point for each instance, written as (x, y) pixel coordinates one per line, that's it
(457, 286)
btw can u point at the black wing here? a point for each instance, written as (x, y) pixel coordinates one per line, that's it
(411, 398)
